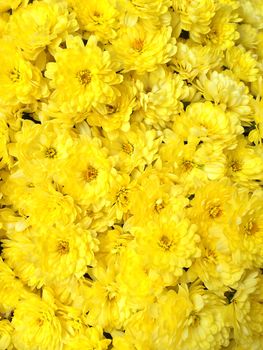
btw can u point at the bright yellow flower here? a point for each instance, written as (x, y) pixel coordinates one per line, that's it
(246, 231)
(238, 309)
(81, 77)
(212, 204)
(140, 49)
(6, 331)
(86, 173)
(223, 29)
(132, 149)
(89, 338)
(192, 59)
(11, 289)
(36, 325)
(205, 326)
(245, 165)
(97, 17)
(251, 12)
(166, 247)
(248, 36)
(57, 253)
(195, 16)
(20, 81)
(242, 63)
(116, 113)
(41, 149)
(227, 92)
(207, 123)
(40, 24)
(160, 93)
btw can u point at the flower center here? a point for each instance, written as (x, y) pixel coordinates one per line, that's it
(187, 165)
(91, 173)
(14, 75)
(137, 45)
(50, 152)
(127, 148)
(158, 206)
(215, 211)
(165, 243)
(122, 197)
(84, 77)
(63, 247)
(235, 166)
(111, 109)
(250, 228)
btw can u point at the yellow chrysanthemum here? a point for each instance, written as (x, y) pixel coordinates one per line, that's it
(20, 81)
(115, 114)
(155, 198)
(207, 123)
(40, 24)
(204, 327)
(11, 290)
(159, 94)
(140, 49)
(239, 306)
(162, 246)
(6, 331)
(248, 36)
(251, 12)
(132, 149)
(105, 302)
(192, 59)
(195, 16)
(36, 325)
(245, 165)
(88, 172)
(81, 77)
(97, 17)
(256, 134)
(227, 92)
(223, 29)
(242, 63)
(41, 149)
(90, 338)
(70, 250)
(246, 231)
(192, 163)
(212, 204)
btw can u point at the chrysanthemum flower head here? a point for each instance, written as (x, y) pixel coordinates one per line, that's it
(227, 92)
(207, 123)
(20, 80)
(86, 178)
(116, 113)
(162, 246)
(205, 327)
(242, 63)
(192, 59)
(160, 93)
(97, 17)
(139, 49)
(6, 331)
(40, 24)
(36, 325)
(223, 29)
(81, 77)
(195, 16)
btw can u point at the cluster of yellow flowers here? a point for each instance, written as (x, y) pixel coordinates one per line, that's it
(131, 174)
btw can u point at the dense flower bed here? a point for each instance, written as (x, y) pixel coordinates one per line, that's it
(131, 174)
